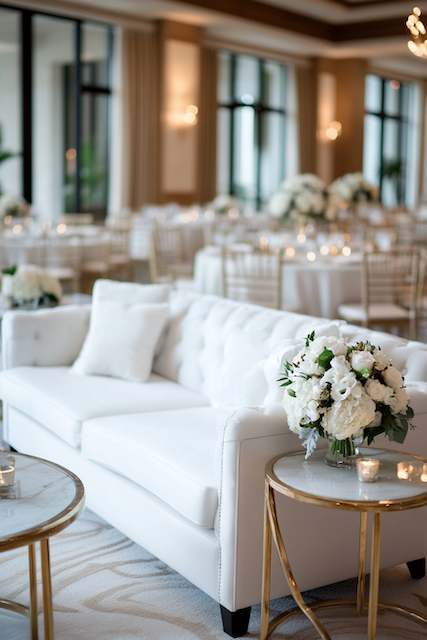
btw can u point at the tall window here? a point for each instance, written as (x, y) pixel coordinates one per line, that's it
(251, 126)
(62, 88)
(388, 143)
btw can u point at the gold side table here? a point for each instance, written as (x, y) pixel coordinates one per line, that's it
(45, 500)
(315, 483)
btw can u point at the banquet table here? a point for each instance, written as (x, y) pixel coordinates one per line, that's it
(313, 288)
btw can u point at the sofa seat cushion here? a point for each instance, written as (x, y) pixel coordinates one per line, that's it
(171, 454)
(61, 401)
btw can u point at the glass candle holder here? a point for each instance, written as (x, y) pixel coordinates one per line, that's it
(7, 471)
(406, 470)
(368, 469)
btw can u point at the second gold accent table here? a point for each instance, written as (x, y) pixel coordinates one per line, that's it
(315, 483)
(46, 500)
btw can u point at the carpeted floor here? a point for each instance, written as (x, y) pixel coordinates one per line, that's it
(107, 588)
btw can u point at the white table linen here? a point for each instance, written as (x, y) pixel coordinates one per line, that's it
(314, 288)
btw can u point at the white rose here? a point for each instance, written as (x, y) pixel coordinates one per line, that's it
(362, 360)
(336, 345)
(51, 285)
(378, 392)
(342, 380)
(381, 360)
(346, 419)
(399, 402)
(393, 377)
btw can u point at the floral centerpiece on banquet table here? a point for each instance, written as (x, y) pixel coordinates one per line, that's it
(351, 190)
(345, 392)
(29, 286)
(302, 199)
(13, 206)
(225, 204)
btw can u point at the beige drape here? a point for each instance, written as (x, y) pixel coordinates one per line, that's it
(306, 90)
(140, 117)
(207, 125)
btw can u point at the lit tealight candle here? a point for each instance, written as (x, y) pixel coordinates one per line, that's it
(61, 228)
(311, 256)
(333, 250)
(346, 251)
(290, 252)
(301, 237)
(324, 250)
(405, 470)
(7, 471)
(368, 469)
(17, 229)
(263, 243)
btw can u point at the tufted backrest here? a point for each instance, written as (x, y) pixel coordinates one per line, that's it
(212, 343)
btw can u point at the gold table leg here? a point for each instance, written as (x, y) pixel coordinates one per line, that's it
(47, 589)
(32, 567)
(375, 578)
(361, 580)
(266, 571)
(286, 568)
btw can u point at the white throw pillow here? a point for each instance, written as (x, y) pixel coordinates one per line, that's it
(122, 339)
(125, 328)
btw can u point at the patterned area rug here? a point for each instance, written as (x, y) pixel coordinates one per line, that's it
(108, 588)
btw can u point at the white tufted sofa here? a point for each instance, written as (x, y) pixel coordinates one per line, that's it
(177, 463)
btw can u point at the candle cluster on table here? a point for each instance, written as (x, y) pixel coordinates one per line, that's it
(368, 469)
(412, 471)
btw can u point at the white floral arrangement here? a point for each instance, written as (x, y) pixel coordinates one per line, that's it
(13, 206)
(352, 189)
(302, 199)
(29, 285)
(225, 204)
(344, 392)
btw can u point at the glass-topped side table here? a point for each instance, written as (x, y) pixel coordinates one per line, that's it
(315, 483)
(46, 499)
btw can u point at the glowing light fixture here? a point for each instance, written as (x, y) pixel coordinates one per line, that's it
(333, 130)
(418, 43)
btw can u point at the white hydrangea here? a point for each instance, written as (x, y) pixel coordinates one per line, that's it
(381, 360)
(345, 419)
(379, 392)
(399, 402)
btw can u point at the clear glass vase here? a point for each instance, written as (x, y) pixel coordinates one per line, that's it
(342, 454)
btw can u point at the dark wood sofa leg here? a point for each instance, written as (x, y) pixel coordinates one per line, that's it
(235, 623)
(417, 568)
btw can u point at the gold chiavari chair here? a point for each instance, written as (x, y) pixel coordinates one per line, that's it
(252, 276)
(412, 234)
(63, 261)
(167, 255)
(422, 295)
(389, 291)
(120, 258)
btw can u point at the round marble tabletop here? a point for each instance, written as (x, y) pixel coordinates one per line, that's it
(315, 482)
(45, 499)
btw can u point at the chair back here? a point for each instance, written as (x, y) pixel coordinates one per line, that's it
(167, 251)
(252, 276)
(390, 277)
(76, 219)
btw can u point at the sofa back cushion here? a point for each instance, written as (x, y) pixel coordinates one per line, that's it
(216, 346)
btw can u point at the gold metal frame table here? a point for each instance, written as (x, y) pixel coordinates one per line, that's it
(315, 483)
(45, 500)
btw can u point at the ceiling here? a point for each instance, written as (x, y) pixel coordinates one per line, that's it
(337, 28)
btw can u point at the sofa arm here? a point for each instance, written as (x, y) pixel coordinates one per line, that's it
(44, 338)
(248, 439)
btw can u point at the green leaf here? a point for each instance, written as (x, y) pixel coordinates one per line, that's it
(292, 393)
(324, 360)
(310, 338)
(10, 271)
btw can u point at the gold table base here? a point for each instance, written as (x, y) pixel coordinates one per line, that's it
(32, 611)
(272, 532)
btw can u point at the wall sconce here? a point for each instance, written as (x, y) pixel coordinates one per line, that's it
(333, 131)
(183, 119)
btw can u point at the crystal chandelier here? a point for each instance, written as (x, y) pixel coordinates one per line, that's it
(418, 44)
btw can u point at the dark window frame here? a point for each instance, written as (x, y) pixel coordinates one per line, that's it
(402, 121)
(26, 50)
(260, 108)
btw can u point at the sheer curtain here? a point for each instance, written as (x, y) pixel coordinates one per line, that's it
(140, 117)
